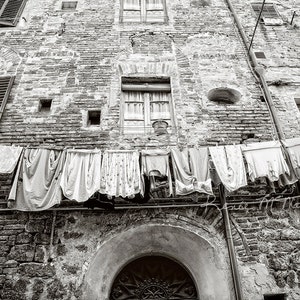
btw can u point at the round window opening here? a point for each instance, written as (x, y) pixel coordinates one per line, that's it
(152, 278)
(224, 95)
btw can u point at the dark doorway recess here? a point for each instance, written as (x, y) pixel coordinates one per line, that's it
(275, 297)
(153, 278)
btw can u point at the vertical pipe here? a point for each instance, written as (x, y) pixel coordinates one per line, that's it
(260, 71)
(52, 236)
(231, 250)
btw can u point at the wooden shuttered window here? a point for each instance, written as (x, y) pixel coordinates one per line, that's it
(269, 10)
(10, 11)
(145, 102)
(143, 11)
(269, 14)
(5, 87)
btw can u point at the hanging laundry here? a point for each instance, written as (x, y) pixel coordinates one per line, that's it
(191, 171)
(229, 164)
(155, 165)
(265, 159)
(9, 156)
(120, 174)
(81, 174)
(36, 184)
(293, 148)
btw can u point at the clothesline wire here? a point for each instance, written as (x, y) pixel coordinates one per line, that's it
(229, 205)
(61, 148)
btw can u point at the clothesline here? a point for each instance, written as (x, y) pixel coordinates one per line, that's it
(162, 147)
(79, 173)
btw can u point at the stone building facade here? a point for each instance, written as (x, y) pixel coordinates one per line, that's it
(67, 62)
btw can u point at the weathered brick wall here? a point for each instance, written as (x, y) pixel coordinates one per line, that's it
(79, 68)
(281, 47)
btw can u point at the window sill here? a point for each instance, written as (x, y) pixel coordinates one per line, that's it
(146, 131)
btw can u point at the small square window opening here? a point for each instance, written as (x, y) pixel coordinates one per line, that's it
(94, 118)
(260, 54)
(69, 5)
(45, 105)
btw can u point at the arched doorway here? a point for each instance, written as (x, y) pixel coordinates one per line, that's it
(201, 251)
(153, 278)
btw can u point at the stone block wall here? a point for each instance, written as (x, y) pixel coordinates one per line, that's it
(25, 260)
(42, 261)
(267, 241)
(46, 255)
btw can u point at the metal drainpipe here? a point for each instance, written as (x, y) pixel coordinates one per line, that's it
(52, 236)
(260, 72)
(229, 239)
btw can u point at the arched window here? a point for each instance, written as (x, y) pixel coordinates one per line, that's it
(153, 277)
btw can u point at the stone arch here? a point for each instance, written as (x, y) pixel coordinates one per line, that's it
(199, 251)
(9, 61)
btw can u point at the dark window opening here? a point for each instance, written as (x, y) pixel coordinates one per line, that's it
(94, 117)
(297, 100)
(69, 5)
(260, 54)
(224, 95)
(275, 297)
(45, 105)
(262, 99)
(246, 136)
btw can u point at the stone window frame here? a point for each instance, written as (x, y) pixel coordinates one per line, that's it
(143, 13)
(269, 11)
(148, 85)
(6, 83)
(14, 15)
